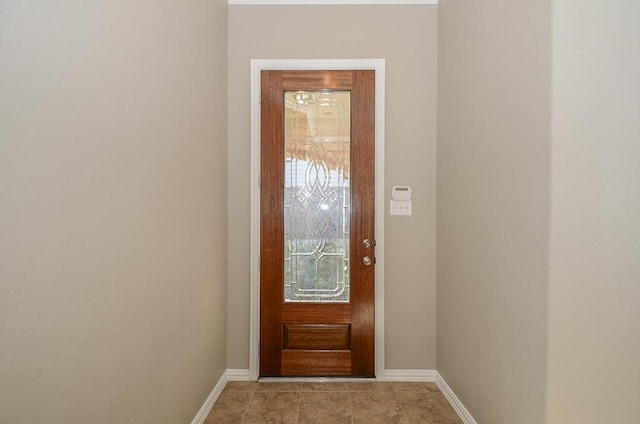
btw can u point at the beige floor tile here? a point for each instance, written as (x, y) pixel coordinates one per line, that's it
(279, 387)
(383, 386)
(324, 408)
(376, 408)
(332, 402)
(273, 408)
(401, 386)
(427, 408)
(229, 408)
(241, 386)
(337, 386)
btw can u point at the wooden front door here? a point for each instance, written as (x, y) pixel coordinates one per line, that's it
(317, 223)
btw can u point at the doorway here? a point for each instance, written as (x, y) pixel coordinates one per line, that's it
(317, 225)
(307, 277)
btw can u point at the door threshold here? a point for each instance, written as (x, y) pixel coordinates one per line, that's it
(313, 379)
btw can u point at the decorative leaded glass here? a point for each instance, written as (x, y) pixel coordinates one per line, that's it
(316, 196)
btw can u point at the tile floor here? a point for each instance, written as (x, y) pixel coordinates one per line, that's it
(331, 403)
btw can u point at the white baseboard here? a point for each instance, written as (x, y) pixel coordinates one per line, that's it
(228, 375)
(462, 412)
(237, 375)
(410, 375)
(389, 375)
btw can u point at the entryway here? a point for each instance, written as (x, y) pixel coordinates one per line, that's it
(315, 289)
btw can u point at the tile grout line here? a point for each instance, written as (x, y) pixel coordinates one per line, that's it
(299, 399)
(246, 409)
(350, 407)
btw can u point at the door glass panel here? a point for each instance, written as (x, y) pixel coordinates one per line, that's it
(316, 196)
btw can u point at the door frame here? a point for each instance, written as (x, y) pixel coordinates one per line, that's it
(258, 65)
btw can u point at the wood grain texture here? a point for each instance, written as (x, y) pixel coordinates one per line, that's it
(316, 336)
(362, 223)
(317, 80)
(316, 362)
(334, 313)
(271, 222)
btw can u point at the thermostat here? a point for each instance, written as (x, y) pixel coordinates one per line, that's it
(401, 193)
(400, 200)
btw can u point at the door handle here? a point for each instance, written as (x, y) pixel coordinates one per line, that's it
(368, 243)
(367, 261)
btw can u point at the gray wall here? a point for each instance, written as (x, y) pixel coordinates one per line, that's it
(406, 37)
(112, 209)
(493, 201)
(594, 297)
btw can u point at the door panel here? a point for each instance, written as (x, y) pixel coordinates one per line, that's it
(324, 324)
(316, 336)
